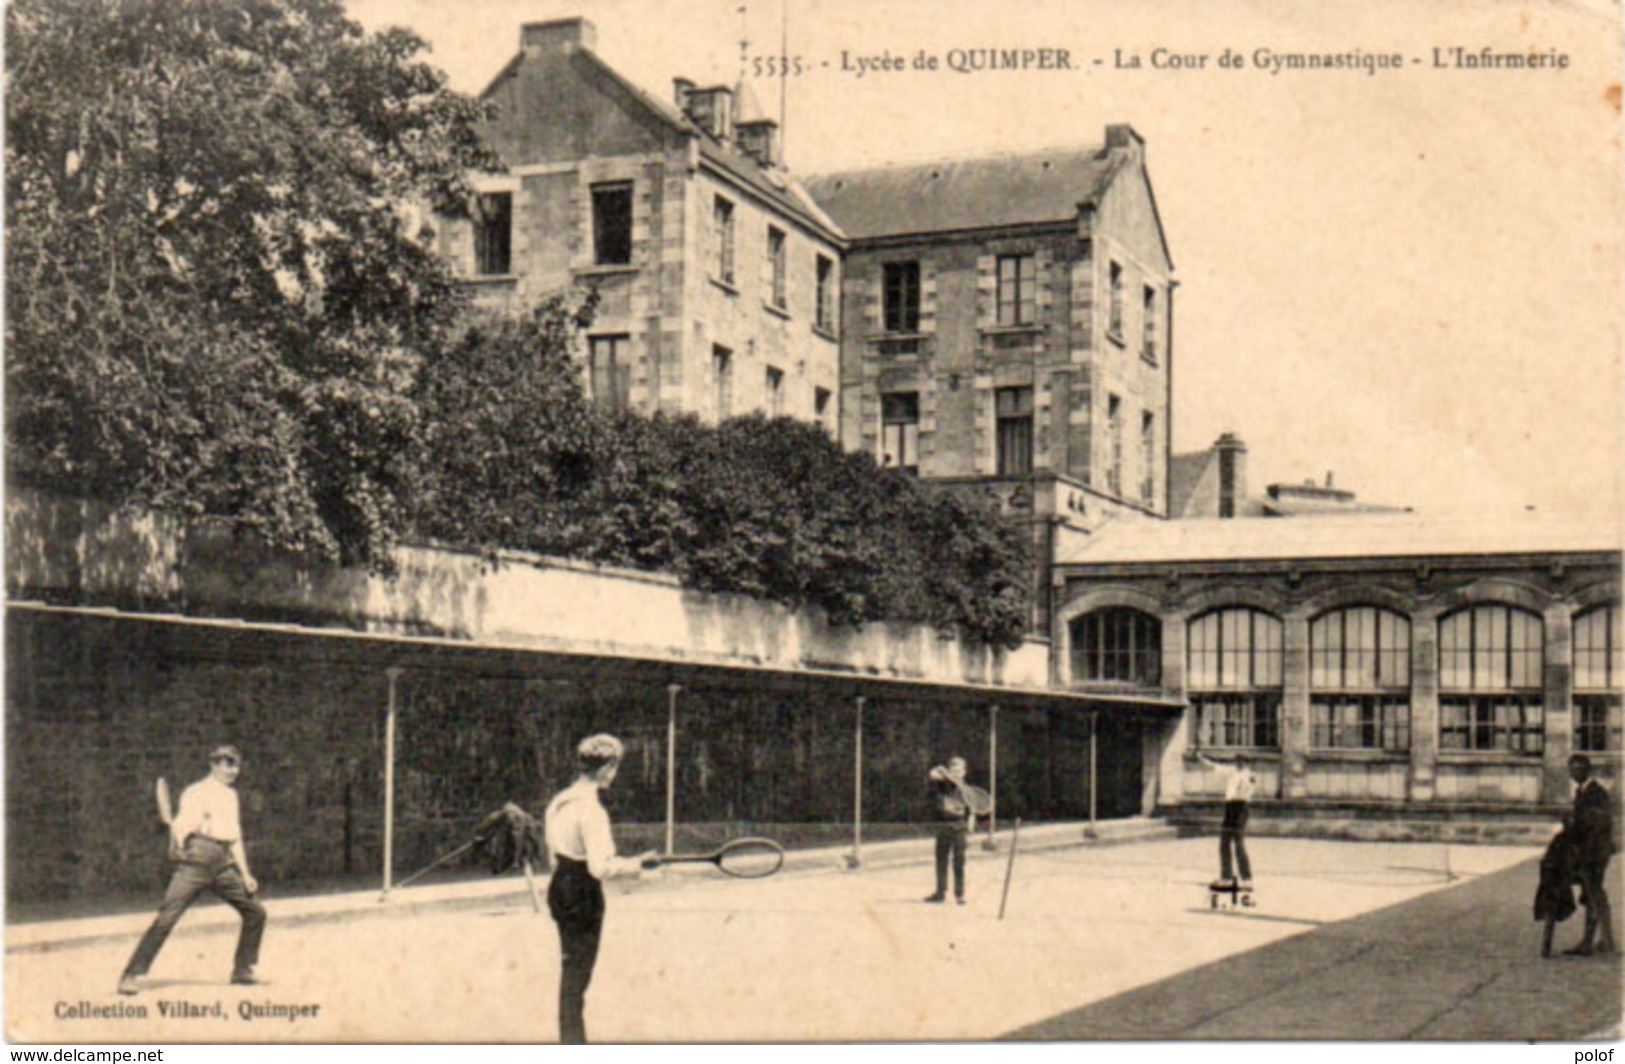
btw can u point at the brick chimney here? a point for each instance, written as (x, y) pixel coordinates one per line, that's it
(1232, 472)
(1123, 138)
(560, 35)
(712, 110)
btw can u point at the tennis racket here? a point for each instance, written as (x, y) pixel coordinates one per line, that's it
(976, 799)
(743, 858)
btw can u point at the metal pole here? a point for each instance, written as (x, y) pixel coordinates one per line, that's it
(1094, 722)
(857, 790)
(671, 765)
(992, 774)
(394, 675)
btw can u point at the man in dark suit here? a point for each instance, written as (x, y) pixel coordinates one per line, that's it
(1591, 830)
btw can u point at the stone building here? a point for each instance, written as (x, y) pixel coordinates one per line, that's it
(1386, 666)
(1008, 321)
(718, 275)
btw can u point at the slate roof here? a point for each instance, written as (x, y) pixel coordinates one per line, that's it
(958, 194)
(1378, 535)
(776, 186)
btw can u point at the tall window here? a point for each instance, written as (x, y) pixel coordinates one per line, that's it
(1360, 680)
(824, 311)
(1597, 680)
(1114, 323)
(901, 296)
(612, 224)
(900, 431)
(722, 371)
(1234, 678)
(775, 266)
(493, 233)
(1114, 441)
(722, 225)
(611, 371)
(775, 392)
(1148, 457)
(1117, 645)
(1018, 289)
(1014, 415)
(1490, 664)
(1149, 350)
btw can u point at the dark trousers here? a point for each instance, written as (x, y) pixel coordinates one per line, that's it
(1233, 837)
(951, 843)
(207, 867)
(1592, 873)
(576, 901)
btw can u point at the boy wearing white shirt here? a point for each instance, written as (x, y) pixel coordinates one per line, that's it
(1239, 784)
(583, 850)
(206, 837)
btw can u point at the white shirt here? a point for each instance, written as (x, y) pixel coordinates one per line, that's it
(578, 827)
(209, 808)
(1238, 783)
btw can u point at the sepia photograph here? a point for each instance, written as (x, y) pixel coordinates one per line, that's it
(813, 521)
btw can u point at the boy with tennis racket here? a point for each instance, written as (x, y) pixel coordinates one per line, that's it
(954, 818)
(583, 849)
(206, 841)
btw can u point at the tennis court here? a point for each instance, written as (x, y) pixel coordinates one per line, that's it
(811, 954)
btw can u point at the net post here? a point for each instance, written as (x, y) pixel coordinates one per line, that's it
(1094, 729)
(992, 777)
(394, 675)
(855, 858)
(672, 690)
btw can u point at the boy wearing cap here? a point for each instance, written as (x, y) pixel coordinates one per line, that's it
(206, 833)
(583, 849)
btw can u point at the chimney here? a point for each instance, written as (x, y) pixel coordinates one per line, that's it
(1123, 138)
(1232, 473)
(760, 140)
(560, 35)
(681, 90)
(712, 110)
(1329, 480)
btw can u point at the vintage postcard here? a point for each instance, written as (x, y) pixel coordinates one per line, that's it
(812, 521)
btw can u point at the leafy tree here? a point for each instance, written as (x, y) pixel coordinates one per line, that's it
(218, 288)
(507, 435)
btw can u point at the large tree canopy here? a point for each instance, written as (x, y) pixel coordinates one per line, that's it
(515, 456)
(219, 284)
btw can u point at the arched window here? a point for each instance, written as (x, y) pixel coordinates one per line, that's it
(1360, 680)
(1597, 679)
(1117, 644)
(1490, 664)
(1234, 678)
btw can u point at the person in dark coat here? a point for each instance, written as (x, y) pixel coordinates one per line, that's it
(1554, 898)
(1590, 829)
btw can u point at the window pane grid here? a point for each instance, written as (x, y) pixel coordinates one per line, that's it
(1597, 649)
(901, 296)
(1234, 665)
(1017, 289)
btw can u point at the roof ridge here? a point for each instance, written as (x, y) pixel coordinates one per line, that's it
(997, 156)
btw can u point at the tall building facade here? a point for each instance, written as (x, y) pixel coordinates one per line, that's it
(718, 276)
(1008, 321)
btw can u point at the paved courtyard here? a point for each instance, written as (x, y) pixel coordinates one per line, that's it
(1349, 941)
